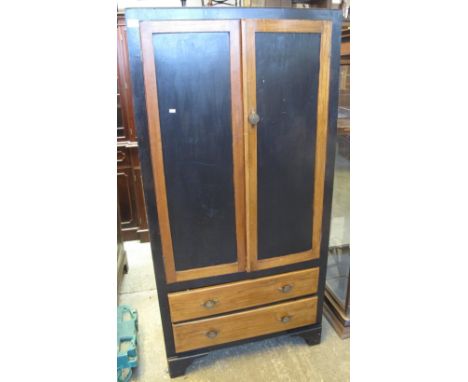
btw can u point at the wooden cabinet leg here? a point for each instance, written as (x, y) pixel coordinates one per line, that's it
(178, 365)
(311, 336)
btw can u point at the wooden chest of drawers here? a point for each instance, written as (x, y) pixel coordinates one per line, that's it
(236, 110)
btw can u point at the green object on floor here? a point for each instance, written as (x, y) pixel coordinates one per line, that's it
(127, 328)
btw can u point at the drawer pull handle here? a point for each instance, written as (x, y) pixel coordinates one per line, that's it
(286, 319)
(254, 119)
(210, 304)
(212, 333)
(285, 288)
(121, 156)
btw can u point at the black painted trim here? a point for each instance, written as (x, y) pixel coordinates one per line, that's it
(177, 366)
(311, 337)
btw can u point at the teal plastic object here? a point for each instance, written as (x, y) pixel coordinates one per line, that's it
(127, 328)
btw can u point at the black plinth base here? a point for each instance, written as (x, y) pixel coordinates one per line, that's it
(311, 336)
(178, 365)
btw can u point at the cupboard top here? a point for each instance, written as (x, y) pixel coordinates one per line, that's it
(334, 15)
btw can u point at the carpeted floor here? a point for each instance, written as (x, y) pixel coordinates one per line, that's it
(280, 359)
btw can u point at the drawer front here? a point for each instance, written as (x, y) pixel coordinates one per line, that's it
(247, 324)
(224, 298)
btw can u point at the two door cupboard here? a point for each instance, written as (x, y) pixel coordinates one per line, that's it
(236, 110)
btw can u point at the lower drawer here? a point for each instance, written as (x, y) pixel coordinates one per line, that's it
(256, 322)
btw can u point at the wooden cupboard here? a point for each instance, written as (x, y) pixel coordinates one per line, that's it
(236, 113)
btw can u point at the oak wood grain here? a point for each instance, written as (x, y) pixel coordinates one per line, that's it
(287, 26)
(212, 270)
(250, 133)
(238, 142)
(321, 140)
(280, 261)
(154, 131)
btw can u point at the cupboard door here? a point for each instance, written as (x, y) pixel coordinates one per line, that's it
(194, 106)
(286, 79)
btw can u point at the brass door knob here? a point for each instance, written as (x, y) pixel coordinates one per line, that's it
(286, 288)
(286, 319)
(212, 333)
(210, 304)
(254, 118)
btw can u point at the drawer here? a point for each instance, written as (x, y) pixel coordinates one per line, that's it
(246, 324)
(224, 298)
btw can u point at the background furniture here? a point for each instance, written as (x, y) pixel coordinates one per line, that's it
(122, 264)
(337, 302)
(236, 121)
(211, 3)
(129, 186)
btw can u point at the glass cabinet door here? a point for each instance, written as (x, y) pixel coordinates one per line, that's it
(339, 246)
(338, 274)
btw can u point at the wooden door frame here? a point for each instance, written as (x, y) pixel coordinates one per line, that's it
(147, 29)
(249, 28)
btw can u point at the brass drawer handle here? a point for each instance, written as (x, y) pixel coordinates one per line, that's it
(209, 304)
(286, 319)
(122, 156)
(212, 333)
(286, 288)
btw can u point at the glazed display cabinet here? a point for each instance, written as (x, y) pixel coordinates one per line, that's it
(337, 293)
(235, 110)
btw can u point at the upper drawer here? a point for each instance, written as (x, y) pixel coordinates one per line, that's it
(244, 294)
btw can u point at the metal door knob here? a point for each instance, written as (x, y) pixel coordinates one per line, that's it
(286, 288)
(209, 304)
(254, 118)
(212, 333)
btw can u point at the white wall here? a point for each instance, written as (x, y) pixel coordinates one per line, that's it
(122, 4)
